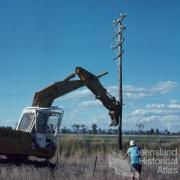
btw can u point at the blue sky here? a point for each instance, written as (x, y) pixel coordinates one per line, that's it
(43, 41)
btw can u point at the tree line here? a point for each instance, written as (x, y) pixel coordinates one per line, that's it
(83, 129)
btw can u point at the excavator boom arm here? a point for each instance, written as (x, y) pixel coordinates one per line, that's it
(45, 97)
(93, 84)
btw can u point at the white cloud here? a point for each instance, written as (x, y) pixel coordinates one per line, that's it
(135, 93)
(158, 115)
(164, 87)
(130, 92)
(149, 112)
(92, 103)
(174, 106)
(158, 109)
(170, 106)
(158, 106)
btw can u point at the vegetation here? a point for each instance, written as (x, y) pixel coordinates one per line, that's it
(113, 138)
(74, 145)
(81, 128)
(77, 159)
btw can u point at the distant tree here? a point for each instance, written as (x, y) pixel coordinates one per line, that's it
(75, 127)
(94, 128)
(64, 130)
(157, 131)
(131, 132)
(6, 127)
(166, 132)
(103, 132)
(151, 131)
(115, 131)
(140, 127)
(83, 128)
(99, 130)
(110, 131)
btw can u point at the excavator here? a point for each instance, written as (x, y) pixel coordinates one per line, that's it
(38, 128)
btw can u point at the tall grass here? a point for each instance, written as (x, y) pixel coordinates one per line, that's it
(73, 146)
(77, 160)
(69, 146)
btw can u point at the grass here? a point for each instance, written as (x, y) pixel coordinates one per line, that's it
(113, 138)
(73, 145)
(77, 159)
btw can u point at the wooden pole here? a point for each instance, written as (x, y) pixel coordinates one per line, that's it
(120, 88)
(118, 35)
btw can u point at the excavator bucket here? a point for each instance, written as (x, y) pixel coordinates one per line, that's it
(93, 83)
(115, 118)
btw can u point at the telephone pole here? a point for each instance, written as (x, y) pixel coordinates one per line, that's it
(118, 28)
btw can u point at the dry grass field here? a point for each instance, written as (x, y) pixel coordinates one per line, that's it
(76, 162)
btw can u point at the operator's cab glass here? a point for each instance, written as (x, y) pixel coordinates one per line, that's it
(46, 123)
(26, 122)
(46, 128)
(51, 128)
(42, 123)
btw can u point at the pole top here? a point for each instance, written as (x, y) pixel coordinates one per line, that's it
(118, 20)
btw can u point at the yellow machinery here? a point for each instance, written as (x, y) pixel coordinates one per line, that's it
(38, 128)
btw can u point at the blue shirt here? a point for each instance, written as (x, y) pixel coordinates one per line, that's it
(134, 153)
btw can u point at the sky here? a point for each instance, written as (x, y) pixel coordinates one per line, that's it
(42, 41)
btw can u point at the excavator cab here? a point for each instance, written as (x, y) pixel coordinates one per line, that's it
(42, 123)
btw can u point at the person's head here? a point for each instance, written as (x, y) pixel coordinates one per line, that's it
(132, 143)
